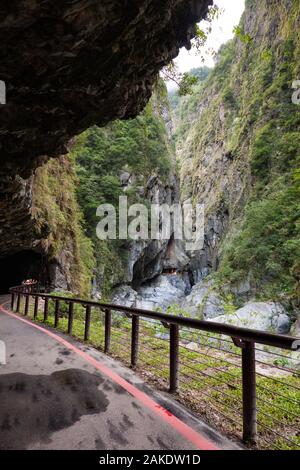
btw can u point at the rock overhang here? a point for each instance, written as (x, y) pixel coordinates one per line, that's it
(69, 65)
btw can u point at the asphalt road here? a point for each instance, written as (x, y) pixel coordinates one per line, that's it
(56, 393)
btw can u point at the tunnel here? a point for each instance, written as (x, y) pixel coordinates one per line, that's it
(26, 264)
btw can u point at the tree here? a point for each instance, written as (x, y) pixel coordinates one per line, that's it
(186, 81)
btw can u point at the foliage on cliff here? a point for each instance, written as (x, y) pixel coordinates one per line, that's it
(185, 109)
(245, 120)
(57, 214)
(139, 148)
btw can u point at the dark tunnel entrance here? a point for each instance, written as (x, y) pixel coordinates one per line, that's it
(23, 265)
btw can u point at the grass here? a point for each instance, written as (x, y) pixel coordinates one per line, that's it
(210, 376)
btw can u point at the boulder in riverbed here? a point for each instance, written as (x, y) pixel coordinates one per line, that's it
(204, 301)
(263, 316)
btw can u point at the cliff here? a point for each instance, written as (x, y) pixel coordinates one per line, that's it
(48, 242)
(68, 253)
(239, 156)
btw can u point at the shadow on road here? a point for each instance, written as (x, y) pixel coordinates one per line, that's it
(32, 407)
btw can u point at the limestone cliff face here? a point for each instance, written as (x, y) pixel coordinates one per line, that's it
(238, 153)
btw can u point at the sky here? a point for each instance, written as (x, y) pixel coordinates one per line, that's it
(222, 31)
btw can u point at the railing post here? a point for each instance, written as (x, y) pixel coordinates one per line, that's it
(70, 317)
(249, 393)
(87, 322)
(26, 304)
(46, 309)
(134, 339)
(18, 302)
(56, 313)
(36, 307)
(174, 357)
(107, 330)
(12, 301)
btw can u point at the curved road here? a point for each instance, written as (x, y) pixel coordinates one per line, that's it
(56, 393)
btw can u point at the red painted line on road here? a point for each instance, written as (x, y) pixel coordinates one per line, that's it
(186, 431)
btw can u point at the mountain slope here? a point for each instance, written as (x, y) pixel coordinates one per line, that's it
(240, 155)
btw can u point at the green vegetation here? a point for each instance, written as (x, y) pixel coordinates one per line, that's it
(185, 81)
(185, 109)
(210, 373)
(244, 37)
(268, 241)
(200, 74)
(247, 114)
(267, 244)
(242, 113)
(59, 219)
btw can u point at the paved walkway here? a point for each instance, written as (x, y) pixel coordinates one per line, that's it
(56, 393)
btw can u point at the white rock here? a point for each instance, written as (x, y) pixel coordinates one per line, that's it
(204, 299)
(162, 292)
(125, 295)
(264, 316)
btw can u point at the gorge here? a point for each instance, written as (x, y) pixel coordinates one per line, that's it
(237, 149)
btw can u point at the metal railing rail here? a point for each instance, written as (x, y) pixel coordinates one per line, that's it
(243, 338)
